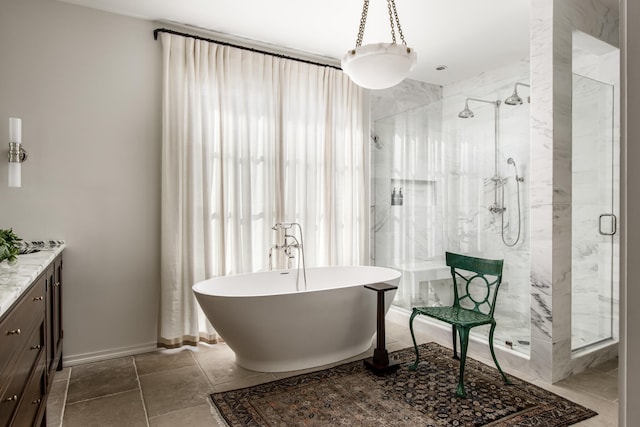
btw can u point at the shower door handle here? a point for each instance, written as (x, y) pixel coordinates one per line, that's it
(614, 224)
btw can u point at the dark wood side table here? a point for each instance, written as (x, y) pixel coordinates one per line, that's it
(380, 363)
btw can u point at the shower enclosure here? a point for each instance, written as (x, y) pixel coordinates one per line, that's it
(464, 189)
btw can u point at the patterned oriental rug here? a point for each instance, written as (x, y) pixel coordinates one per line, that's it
(350, 395)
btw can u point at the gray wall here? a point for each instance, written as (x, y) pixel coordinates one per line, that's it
(87, 85)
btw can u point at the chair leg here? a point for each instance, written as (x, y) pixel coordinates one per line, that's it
(493, 354)
(464, 342)
(414, 366)
(454, 334)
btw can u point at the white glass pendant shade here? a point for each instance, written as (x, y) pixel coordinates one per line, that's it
(379, 65)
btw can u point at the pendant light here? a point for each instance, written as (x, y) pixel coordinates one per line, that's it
(379, 65)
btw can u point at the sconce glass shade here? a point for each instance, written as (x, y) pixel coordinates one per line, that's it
(379, 65)
(15, 130)
(15, 174)
(16, 153)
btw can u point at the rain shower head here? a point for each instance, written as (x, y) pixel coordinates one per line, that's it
(466, 113)
(515, 99)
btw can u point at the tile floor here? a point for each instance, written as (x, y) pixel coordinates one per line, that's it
(169, 388)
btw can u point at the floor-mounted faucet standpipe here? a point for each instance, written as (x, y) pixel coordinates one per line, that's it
(290, 246)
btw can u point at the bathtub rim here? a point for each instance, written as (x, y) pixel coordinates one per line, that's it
(197, 287)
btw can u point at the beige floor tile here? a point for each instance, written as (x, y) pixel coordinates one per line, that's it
(259, 378)
(221, 367)
(159, 361)
(176, 385)
(117, 410)
(610, 367)
(193, 417)
(220, 351)
(62, 375)
(172, 390)
(55, 402)
(101, 379)
(593, 382)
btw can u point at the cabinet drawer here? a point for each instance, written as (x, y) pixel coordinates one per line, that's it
(15, 329)
(19, 373)
(33, 396)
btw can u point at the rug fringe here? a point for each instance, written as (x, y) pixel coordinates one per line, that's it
(215, 412)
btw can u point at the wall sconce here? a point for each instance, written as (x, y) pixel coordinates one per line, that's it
(17, 154)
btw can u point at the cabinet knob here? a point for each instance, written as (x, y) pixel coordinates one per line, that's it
(14, 332)
(36, 347)
(57, 284)
(12, 398)
(38, 298)
(36, 402)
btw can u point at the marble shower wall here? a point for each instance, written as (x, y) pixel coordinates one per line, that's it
(552, 26)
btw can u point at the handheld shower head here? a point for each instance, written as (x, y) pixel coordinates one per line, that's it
(512, 162)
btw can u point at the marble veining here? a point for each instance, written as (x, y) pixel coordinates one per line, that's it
(14, 281)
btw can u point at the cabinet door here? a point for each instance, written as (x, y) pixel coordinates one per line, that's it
(50, 347)
(56, 313)
(54, 316)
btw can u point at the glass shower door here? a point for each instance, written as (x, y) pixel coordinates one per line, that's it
(593, 222)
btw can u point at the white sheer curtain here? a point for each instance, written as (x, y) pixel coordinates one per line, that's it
(250, 140)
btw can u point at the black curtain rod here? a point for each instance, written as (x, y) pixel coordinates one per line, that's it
(223, 43)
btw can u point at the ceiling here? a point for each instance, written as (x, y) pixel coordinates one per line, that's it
(468, 36)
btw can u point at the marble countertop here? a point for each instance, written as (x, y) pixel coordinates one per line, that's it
(14, 281)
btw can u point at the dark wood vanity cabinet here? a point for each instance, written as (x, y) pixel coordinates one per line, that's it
(31, 349)
(54, 316)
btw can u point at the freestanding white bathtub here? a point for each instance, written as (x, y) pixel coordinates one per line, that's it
(273, 328)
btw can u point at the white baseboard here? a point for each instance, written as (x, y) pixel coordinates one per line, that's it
(79, 359)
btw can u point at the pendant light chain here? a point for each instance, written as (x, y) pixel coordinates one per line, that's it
(393, 30)
(393, 21)
(363, 22)
(395, 13)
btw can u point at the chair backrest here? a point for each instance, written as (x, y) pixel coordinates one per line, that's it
(475, 282)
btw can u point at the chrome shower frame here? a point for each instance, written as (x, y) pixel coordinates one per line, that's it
(497, 180)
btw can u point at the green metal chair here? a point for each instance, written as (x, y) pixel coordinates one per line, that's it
(474, 300)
